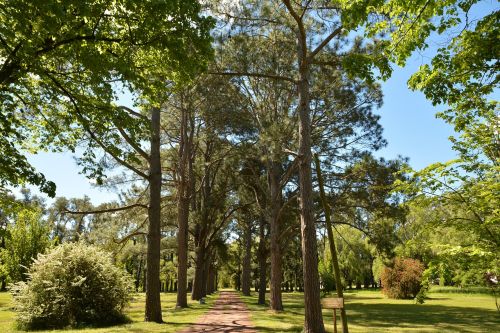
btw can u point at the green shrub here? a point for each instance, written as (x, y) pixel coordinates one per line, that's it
(72, 285)
(25, 239)
(404, 279)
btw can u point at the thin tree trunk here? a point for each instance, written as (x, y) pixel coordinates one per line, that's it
(331, 241)
(246, 275)
(153, 304)
(183, 213)
(313, 322)
(262, 261)
(276, 260)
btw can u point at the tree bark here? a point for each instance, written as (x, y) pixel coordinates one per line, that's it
(153, 304)
(199, 274)
(247, 267)
(331, 242)
(276, 260)
(183, 212)
(313, 322)
(138, 276)
(211, 279)
(262, 261)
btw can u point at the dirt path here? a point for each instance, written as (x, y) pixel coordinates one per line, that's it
(229, 314)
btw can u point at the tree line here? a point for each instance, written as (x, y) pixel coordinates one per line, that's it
(214, 161)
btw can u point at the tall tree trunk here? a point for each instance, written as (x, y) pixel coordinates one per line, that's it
(211, 279)
(313, 322)
(153, 304)
(183, 212)
(204, 277)
(331, 242)
(199, 273)
(276, 260)
(262, 260)
(247, 267)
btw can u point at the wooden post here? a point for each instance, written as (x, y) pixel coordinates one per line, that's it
(334, 320)
(334, 303)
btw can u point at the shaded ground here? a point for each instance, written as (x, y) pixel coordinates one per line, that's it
(229, 314)
(370, 311)
(175, 319)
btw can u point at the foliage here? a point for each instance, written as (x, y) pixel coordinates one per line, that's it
(403, 280)
(63, 60)
(26, 238)
(74, 284)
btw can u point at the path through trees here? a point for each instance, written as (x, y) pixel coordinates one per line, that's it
(229, 314)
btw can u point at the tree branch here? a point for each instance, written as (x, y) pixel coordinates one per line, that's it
(101, 211)
(261, 75)
(327, 40)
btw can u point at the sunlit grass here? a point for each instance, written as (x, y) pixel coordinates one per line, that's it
(175, 319)
(370, 311)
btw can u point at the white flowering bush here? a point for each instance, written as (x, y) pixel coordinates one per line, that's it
(72, 285)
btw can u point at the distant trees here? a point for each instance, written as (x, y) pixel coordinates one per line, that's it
(26, 238)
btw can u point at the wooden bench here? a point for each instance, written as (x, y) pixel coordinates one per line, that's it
(333, 303)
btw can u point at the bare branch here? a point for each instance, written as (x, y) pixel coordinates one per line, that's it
(262, 75)
(327, 40)
(101, 211)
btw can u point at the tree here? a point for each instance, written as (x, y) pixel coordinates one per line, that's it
(39, 62)
(463, 76)
(27, 237)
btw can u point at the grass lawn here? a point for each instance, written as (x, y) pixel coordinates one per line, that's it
(174, 319)
(370, 311)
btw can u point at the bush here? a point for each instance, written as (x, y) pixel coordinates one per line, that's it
(73, 285)
(404, 279)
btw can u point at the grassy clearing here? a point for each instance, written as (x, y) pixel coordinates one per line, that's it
(175, 319)
(370, 311)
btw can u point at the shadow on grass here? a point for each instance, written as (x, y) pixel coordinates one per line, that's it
(463, 319)
(366, 316)
(295, 328)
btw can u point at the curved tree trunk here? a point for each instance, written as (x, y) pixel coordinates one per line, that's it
(331, 241)
(153, 304)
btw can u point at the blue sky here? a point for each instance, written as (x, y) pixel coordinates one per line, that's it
(408, 119)
(409, 122)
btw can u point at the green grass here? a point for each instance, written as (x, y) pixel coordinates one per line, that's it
(370, 311)
(175, 319)
(464, 290)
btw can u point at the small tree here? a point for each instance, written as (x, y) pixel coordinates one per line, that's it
(73, 285)
(404, 279)
(26, 238)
